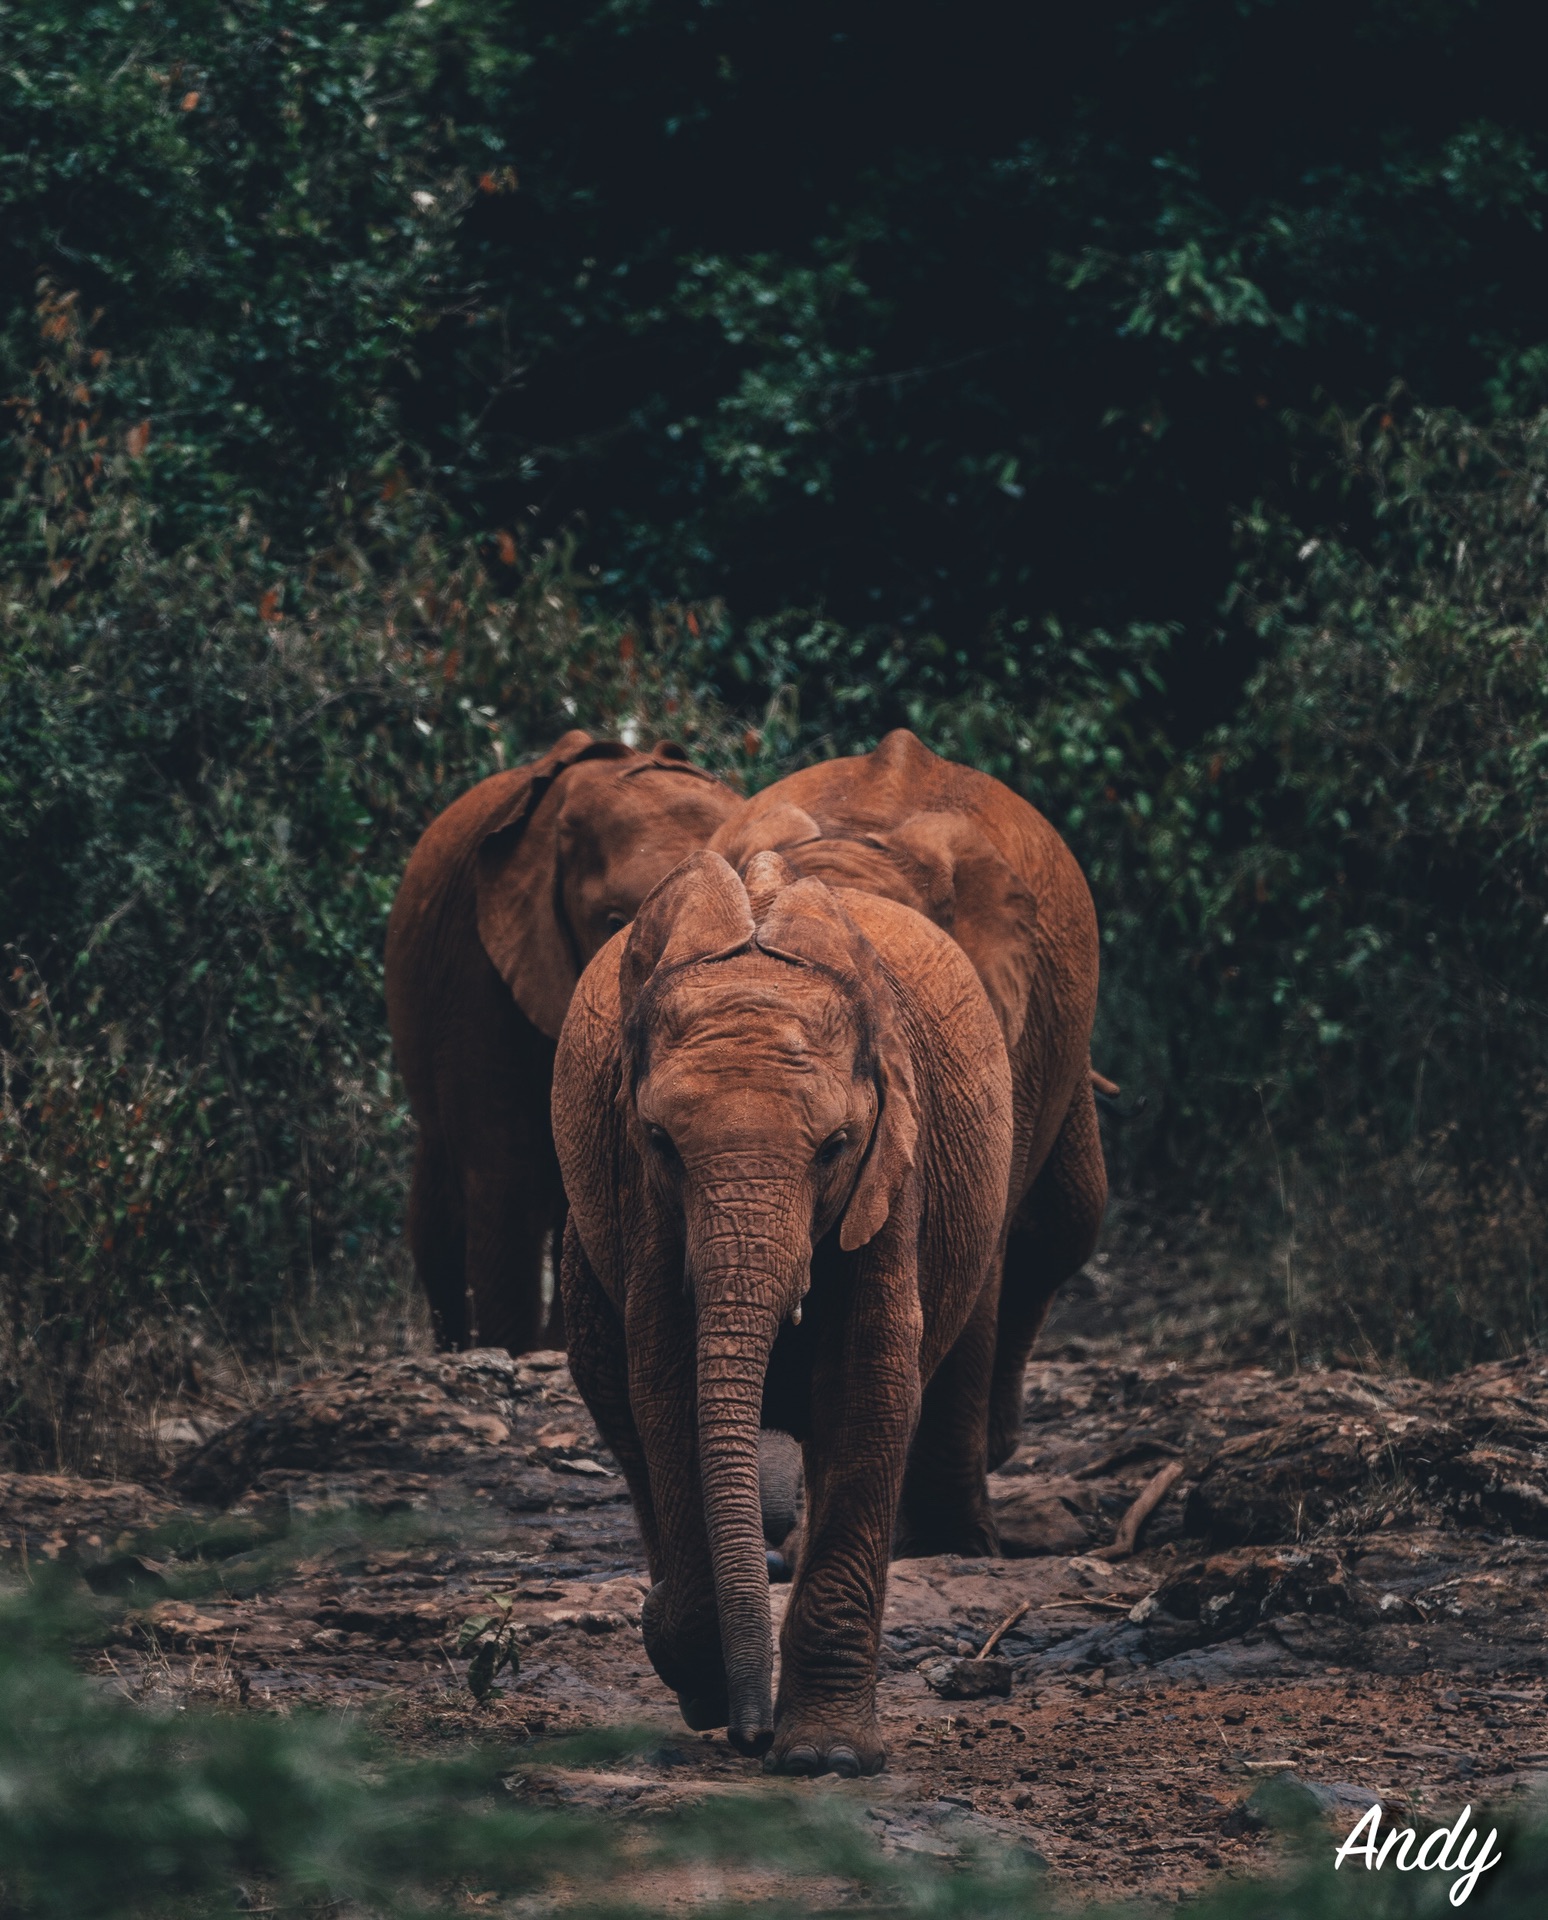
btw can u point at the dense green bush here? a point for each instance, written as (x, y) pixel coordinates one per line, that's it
(796, 304)
(212, 768)
(1341, 897)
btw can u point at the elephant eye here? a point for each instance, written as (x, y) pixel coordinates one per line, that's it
(831, 1148)
(615, 920)
(660, 1141)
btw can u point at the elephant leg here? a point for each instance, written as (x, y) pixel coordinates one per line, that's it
(508, 1208)
(438, 1241)
(599, 1366)
(681, 1620)
(945, 1504)
(1053, 1235)
(865, 1396)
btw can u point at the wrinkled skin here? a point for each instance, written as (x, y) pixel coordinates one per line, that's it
(508, 894)
(784, 1116)
(975, 859)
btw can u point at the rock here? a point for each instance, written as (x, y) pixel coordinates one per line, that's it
(1036, 1514)
(968, 1679)
(1286, 1802)
(54, 1516)
(431, 1415)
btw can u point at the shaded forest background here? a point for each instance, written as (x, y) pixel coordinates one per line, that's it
(1149, 406)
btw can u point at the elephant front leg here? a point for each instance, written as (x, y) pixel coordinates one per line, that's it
(644, 1409)
(599, 1366)
(681, 1621)
(865, 1397)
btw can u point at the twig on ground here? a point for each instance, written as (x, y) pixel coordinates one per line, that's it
(1148, 1499)
(1002, 1629)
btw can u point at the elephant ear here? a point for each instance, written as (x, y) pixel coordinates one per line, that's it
(698, 912)
(896, 1133)
(801, 920)
(968, 888)
(517, 884)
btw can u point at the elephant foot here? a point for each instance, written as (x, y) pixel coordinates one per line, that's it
(827, 1743)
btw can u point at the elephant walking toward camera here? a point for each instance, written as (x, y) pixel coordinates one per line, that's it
(784, 1113)
(508, 894)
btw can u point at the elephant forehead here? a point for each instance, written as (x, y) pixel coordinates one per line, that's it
(606, 816)
(751, 1002)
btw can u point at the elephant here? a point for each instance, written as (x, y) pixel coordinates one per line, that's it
(975, 858)
(507, 895)
(784, 1114)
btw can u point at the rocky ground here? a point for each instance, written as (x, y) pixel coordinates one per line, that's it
(1215, 1575)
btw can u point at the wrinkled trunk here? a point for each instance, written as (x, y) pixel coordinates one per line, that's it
(744, 1283)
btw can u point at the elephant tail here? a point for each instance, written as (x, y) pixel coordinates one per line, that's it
(1107, 1092)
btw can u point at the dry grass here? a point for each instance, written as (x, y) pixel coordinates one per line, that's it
(144, 1402)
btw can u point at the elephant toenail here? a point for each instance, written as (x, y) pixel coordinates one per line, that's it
(845, 1762)
(802, 1760)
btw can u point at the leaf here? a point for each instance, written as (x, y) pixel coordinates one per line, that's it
(190, 101)
(493, 1656)
(268, 606)
(138, 439)
(471, 1628)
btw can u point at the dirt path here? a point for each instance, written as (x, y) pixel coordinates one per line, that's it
(1343, 1577)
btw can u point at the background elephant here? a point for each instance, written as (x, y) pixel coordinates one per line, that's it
(783, 1112)
(980, 862)
(508, 894)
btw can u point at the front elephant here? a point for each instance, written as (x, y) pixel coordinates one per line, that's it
(783, 1115)
(508, 894)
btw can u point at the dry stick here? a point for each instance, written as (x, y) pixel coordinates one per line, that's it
(1002, 1629)
(1150, 1497)
(1085, 1600)
(1121, 1456)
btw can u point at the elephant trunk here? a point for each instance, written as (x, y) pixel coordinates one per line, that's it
(742, 1295)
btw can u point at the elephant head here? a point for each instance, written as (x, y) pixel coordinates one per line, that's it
(768, 1093)
(576, 842)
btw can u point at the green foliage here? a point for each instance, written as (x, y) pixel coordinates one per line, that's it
(1342, 897)
(488, 1642)
(212, 768)
(792, 304)
(262, 197)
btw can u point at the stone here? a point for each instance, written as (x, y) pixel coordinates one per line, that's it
(968, 1679)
